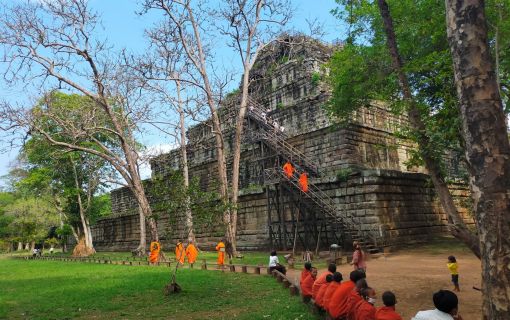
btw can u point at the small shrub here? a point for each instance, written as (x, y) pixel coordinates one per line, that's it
(342, 175)
(316, 78)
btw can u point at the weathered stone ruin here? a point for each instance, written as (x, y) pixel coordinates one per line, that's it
(360, 184)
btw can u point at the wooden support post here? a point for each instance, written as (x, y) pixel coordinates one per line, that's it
(232, 268)
(245, 269)
(204, 265)
(257, 270)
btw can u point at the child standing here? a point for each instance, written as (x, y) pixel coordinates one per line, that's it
(453, 267)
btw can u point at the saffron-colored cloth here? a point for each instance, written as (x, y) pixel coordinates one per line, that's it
(338, 303)
(364, 311)
(352, 300)
(303, 181)
(319, 282)
(155, 247)
(191, 253)
(307, 285)
(319, 298)
(288, 169)
(359, 260)
(387, 313)
(179, 252)
(329, 292)
(453, 267)
(304, 274)
(220, 247)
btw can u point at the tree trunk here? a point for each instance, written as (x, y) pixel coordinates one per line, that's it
(20, 246)
(487, 148)
(184, 158)
(457, 226)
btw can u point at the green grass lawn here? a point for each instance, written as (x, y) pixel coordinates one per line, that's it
(66, 290)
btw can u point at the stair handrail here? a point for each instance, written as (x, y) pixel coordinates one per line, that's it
(322, 199)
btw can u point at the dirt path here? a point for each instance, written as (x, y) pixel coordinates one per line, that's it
(414, 277)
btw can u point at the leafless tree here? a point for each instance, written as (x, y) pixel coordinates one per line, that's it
(246, 26)
(49, 45)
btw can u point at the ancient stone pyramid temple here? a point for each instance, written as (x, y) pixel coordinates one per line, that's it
(360, 186)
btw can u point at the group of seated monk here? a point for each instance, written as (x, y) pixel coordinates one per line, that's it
(353, 299)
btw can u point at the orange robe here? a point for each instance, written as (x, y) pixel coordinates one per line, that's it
(338, 303)
(191, 253)
(304, 274)
(364, 311)
(155, 248)
(319, 297)
(303, 182)
(220, 247)
(387, 313)
(352, 300)
(288, 169)
(319, 282)
(307, 285)
(179, 253)
(329, 292)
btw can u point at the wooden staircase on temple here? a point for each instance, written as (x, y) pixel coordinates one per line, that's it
(275, 139)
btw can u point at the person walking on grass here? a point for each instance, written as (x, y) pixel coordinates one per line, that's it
(220, 247)
(454, 270)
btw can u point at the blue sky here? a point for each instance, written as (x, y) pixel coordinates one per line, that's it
(124, 29)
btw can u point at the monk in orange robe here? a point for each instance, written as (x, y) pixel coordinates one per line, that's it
(303, 181)
(319, 297)
(179, 252)
(321, 280)
(288, 169)
(307, 284)
(337, 281)
(338, 304)
(191, 253)
(364, 309)
(155, 247)
(220, 247)
(388, 311)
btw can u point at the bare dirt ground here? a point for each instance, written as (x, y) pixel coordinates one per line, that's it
(415, 274)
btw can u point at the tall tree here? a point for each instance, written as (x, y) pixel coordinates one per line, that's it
(419, 82)
(50, 44)
(487, 148)
(247, 26)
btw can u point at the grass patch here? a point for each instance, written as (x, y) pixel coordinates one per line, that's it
(57, 290)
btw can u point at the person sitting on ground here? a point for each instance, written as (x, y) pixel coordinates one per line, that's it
(338, 306)
(388, 311)
(307, 271)
(354, 298)
(364, 309)
(274, 263)
(337, 281)
(319, 298)
(307, 286)
(321, 280)
(446, 303)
